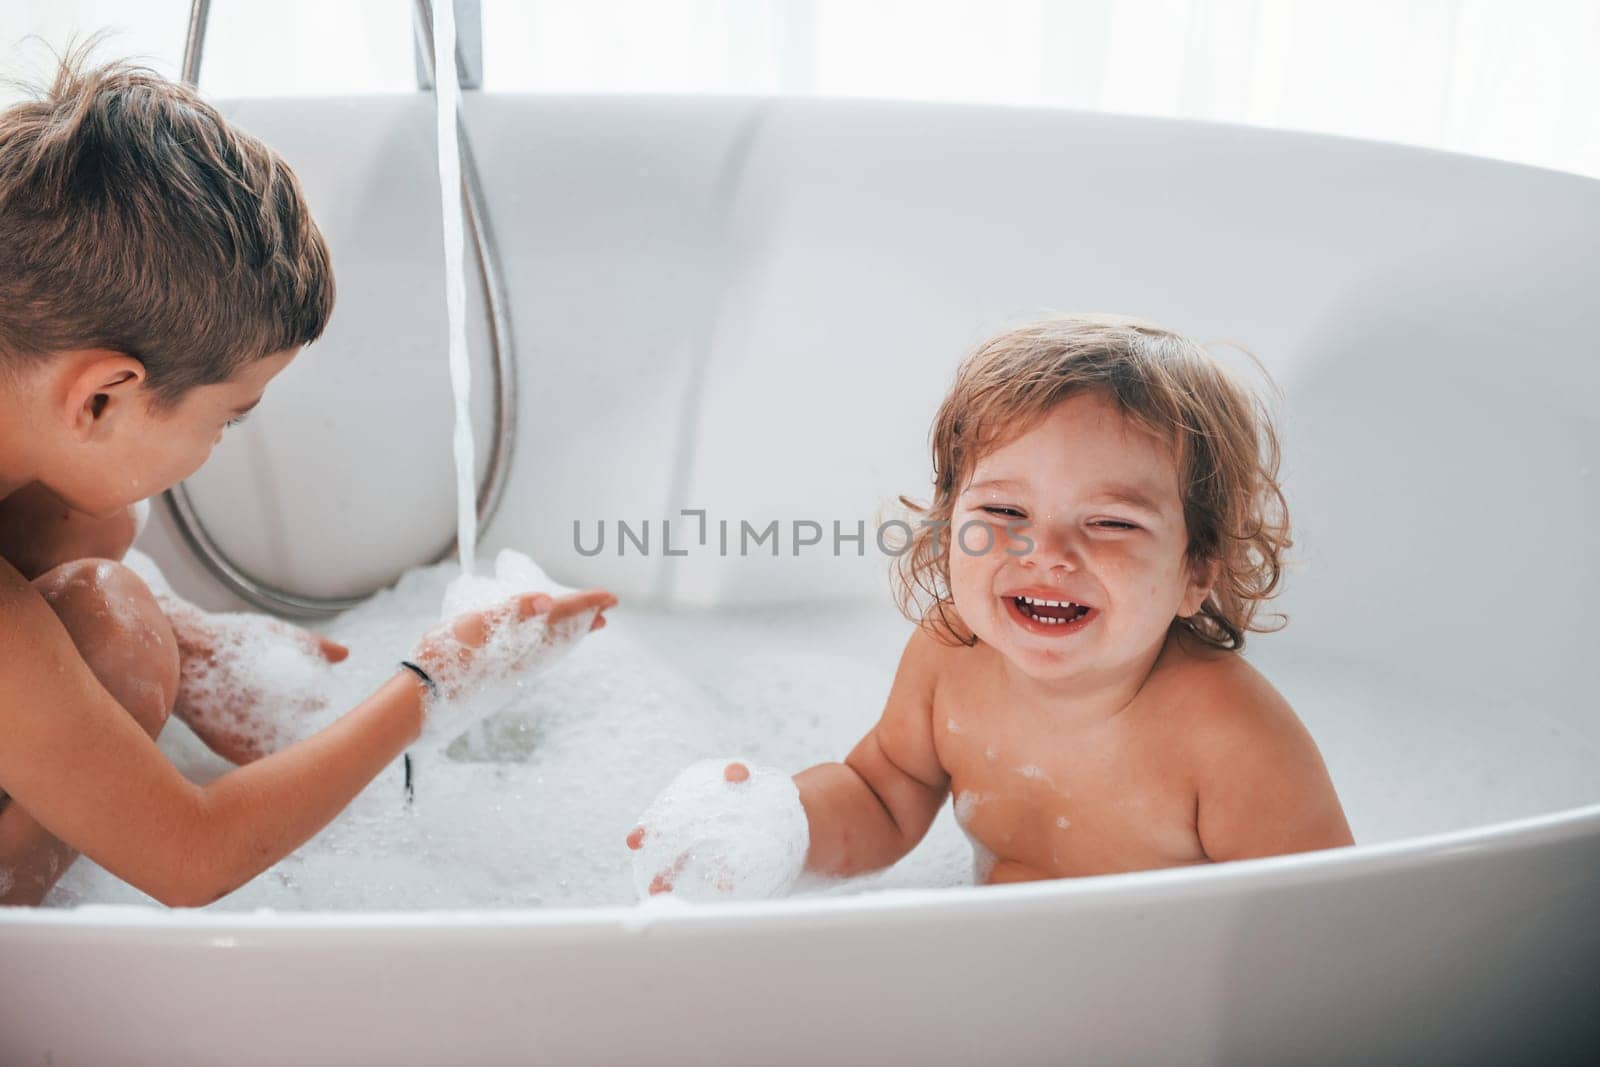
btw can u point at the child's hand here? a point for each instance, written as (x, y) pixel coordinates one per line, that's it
(249, 684)
(723, 830)
(477, 661)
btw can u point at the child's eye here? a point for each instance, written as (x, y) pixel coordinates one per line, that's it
(1115, 524)
(236, 420)
(999, 509)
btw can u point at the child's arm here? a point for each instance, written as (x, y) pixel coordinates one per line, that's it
(1261, 786)
(81, 766)
(223, 697)
(725, 829)
(872, 809)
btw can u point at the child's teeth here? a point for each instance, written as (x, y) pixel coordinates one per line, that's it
(1079, 611)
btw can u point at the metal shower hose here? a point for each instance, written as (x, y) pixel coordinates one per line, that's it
(490, 491)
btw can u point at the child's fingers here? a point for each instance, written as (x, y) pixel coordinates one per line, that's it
(531, 604)
(636, 838)
(662, 882)
(315, 644)
(575, 603)
(470, 630)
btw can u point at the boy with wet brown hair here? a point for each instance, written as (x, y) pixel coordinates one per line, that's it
(158, 268)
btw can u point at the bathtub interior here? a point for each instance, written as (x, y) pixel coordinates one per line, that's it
(752, 307)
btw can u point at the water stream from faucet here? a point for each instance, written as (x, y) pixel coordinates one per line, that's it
(447, 98)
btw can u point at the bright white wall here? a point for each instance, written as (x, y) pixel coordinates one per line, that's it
(1513, 80)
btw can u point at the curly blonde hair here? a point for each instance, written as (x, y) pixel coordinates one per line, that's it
(1222, 436)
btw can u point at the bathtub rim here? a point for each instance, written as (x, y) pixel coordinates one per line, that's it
(1267, 873)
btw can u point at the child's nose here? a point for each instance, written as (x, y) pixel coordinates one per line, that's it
(1055, 546)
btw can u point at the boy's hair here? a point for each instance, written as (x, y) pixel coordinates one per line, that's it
(133, 217)
(1222, 437)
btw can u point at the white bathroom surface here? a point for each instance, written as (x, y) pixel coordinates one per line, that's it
(752, 307)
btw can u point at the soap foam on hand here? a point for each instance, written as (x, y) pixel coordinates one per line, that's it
(723, 830)
(250, 678)
(472, 685)
(261, 682)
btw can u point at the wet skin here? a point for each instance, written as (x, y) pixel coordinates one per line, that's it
(1051, 796)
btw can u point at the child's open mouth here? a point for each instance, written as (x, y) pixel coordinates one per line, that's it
(1049, 616)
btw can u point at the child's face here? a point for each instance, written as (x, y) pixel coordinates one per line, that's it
(128, 452)
(1122, 559)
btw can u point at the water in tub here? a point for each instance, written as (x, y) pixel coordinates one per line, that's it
(533, 810)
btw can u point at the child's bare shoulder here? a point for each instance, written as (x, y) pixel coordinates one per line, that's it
(1261, 783)
(1223, 706)
(1218, 677)
(929, 657)
(933, 656)
(930, 646)
(1226, 701)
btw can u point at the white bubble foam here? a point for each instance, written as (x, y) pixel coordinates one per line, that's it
(252, 678)
(531, 807)
(1033, 772)
(708, 838)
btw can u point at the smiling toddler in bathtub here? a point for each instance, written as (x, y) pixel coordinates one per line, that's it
(158, 268)
(1106, 521)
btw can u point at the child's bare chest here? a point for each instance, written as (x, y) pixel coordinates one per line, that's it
(1055, 800)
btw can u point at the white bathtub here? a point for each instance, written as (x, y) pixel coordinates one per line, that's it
(752, 308)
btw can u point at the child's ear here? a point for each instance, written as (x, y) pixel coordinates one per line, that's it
(1202, 578)
(101, 385)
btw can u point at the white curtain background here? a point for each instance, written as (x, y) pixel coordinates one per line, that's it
(1512, 80)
